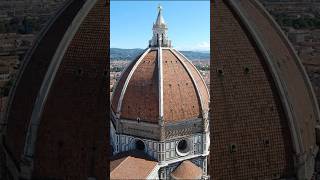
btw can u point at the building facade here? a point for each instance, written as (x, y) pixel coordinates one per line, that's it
(160, 108)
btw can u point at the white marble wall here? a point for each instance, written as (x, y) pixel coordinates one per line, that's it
(164, 152)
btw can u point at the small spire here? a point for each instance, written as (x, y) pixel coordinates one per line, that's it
(159, 7)
(160, 19)
(160, 37)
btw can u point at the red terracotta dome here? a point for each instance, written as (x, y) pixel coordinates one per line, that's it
(160, 83)
(264, 112)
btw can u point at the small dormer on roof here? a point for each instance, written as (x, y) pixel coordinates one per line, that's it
(160, 29)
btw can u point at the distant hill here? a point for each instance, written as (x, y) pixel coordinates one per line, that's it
(197, 55)
(131, 54)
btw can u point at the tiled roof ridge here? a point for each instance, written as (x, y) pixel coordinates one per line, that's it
(196, 85)
(126, 158)
(202, 79)
(124, 89)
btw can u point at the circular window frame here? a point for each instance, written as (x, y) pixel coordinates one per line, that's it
(187, 149)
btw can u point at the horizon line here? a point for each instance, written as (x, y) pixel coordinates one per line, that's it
(197, 50)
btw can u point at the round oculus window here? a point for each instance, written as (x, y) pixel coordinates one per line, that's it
(183, 148)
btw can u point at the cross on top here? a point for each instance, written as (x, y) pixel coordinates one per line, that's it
(159, 7)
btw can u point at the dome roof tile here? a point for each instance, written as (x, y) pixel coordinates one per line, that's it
(183, 89)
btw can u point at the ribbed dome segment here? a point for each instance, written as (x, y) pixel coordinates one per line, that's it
(141, 96)
(180, 95)
(137, 95)
(264, 112)
(57, 109)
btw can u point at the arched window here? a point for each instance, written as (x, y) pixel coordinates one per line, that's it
(157, 39)
(140, 145)
(162, 39)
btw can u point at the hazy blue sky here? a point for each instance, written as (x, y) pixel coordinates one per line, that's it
(188, 23)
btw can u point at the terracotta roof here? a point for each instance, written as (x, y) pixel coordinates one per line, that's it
(289, 69)
(29, 80)
(131, 165)
(71, 133)
(73, 125)
(141, 97)
(248, 103)
(183, 89)
(187, 170)
(179, 93)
